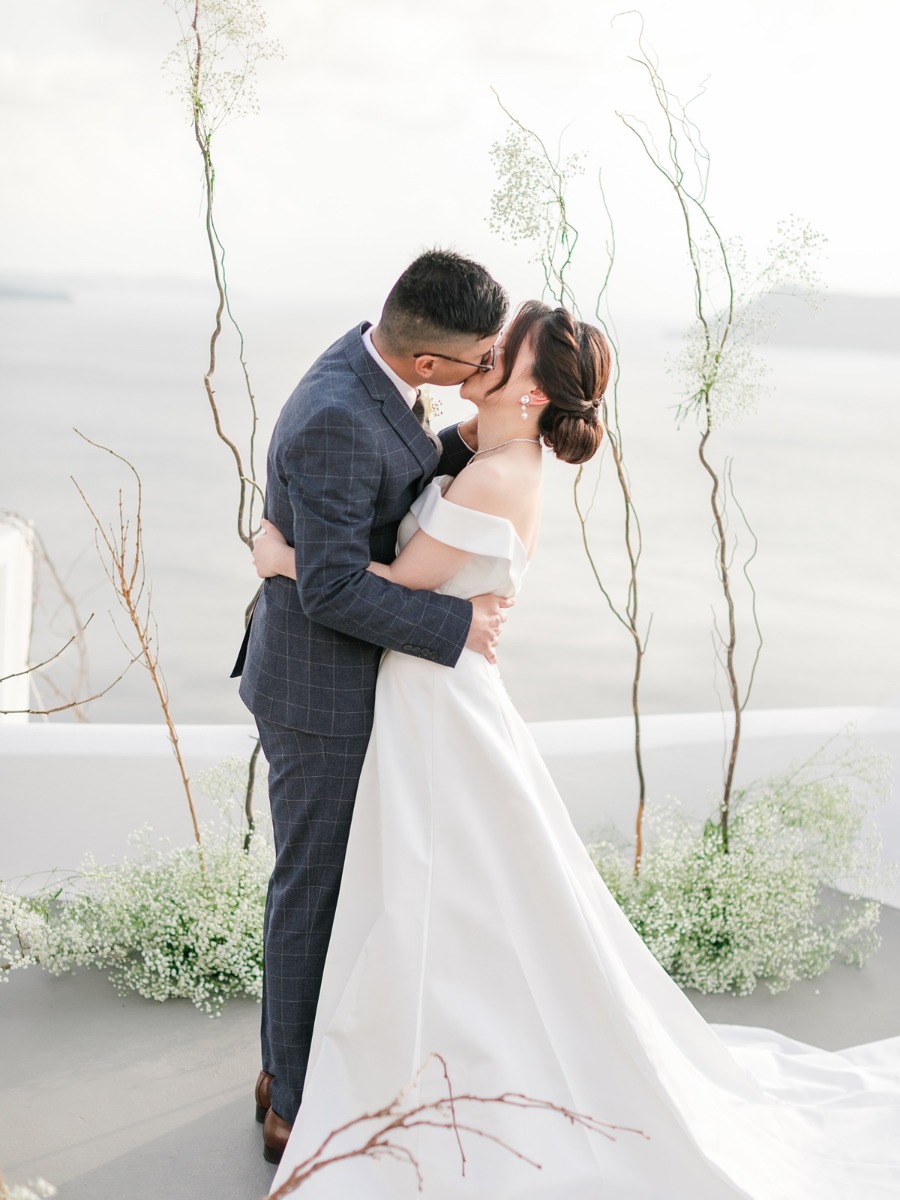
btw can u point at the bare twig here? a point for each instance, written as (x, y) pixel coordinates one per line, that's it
(47, 712)
(248, 795)
(124, 564)
(627, 613)
(69, 704)
(79, 684)
(52, 658)
(395, 1118)
(745, 570)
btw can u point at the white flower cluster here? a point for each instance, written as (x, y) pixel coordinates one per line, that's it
(528, 204)
(163, 925)
(221, 84)
(729, 379)
(430, 403)
(722, 375)
(34, 1189)
(775, 906)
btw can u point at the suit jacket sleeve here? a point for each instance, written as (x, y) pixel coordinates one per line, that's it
(455, 453)
(332, 472)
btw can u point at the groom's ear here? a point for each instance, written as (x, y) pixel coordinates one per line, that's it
(424, 365)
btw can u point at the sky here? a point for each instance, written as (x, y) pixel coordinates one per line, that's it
(373, 141)
(375, 127)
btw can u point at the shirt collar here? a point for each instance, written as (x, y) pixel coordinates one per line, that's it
(408, 392)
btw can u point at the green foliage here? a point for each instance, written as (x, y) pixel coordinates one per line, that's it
(159, 924)
(783, 903)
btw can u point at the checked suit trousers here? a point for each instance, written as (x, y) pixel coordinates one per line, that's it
(312, 786)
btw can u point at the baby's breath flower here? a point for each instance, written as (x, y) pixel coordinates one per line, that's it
(34, 1189)
(528, 203)
(722, 376)
(159, 924)
(783, 903)
(231, 34)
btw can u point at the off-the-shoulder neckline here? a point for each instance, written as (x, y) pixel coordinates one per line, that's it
(436, 483)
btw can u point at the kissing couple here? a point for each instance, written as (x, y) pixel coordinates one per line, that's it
(430, 894)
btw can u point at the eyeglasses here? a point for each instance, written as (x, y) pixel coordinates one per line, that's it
(487, 360)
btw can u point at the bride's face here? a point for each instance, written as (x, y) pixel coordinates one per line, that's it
(478, 387)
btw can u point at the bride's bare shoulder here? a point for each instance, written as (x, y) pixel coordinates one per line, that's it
(493, 487)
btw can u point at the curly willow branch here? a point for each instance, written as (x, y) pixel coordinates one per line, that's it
(216, 93)
(718, 328)
(395, 1119)
(545, 190)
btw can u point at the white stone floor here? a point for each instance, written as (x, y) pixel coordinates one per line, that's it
(115, 1098)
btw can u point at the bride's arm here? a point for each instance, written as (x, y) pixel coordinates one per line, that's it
(271, 553)
(424, 564)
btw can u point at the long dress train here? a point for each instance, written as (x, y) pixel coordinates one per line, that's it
(472, 923)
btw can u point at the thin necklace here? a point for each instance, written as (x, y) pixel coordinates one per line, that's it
(500, 445)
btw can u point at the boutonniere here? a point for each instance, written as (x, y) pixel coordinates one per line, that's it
(431, 405)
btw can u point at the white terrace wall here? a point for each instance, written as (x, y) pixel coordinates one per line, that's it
(69, 789)
(16, 576)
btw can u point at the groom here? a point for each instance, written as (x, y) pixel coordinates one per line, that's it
(348, 456)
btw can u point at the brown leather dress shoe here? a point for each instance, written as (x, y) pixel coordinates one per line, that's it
(275, 1136)
(263, 1102)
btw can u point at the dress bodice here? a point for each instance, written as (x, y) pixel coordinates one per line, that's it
(499, 559)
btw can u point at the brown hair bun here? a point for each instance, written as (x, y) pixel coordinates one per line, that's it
(571, 367)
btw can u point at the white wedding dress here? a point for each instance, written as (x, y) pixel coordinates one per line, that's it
(472, 923)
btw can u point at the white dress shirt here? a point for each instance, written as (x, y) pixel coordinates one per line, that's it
(407, 391)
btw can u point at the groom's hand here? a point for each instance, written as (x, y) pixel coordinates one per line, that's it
(488, 618)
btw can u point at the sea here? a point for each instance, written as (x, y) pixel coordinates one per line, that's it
(814, 514)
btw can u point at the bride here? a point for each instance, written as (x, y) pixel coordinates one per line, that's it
(472, 922)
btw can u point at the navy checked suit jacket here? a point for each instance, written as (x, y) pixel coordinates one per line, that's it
(346, 460)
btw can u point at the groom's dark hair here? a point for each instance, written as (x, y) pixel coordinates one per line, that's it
(440, 298)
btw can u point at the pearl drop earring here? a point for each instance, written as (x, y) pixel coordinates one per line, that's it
(525, 401)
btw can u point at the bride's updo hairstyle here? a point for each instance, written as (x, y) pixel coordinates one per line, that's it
(571, 367)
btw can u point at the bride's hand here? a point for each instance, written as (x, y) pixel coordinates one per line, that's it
(271, 553)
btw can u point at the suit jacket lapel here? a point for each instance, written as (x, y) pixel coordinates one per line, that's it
(396, 411)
